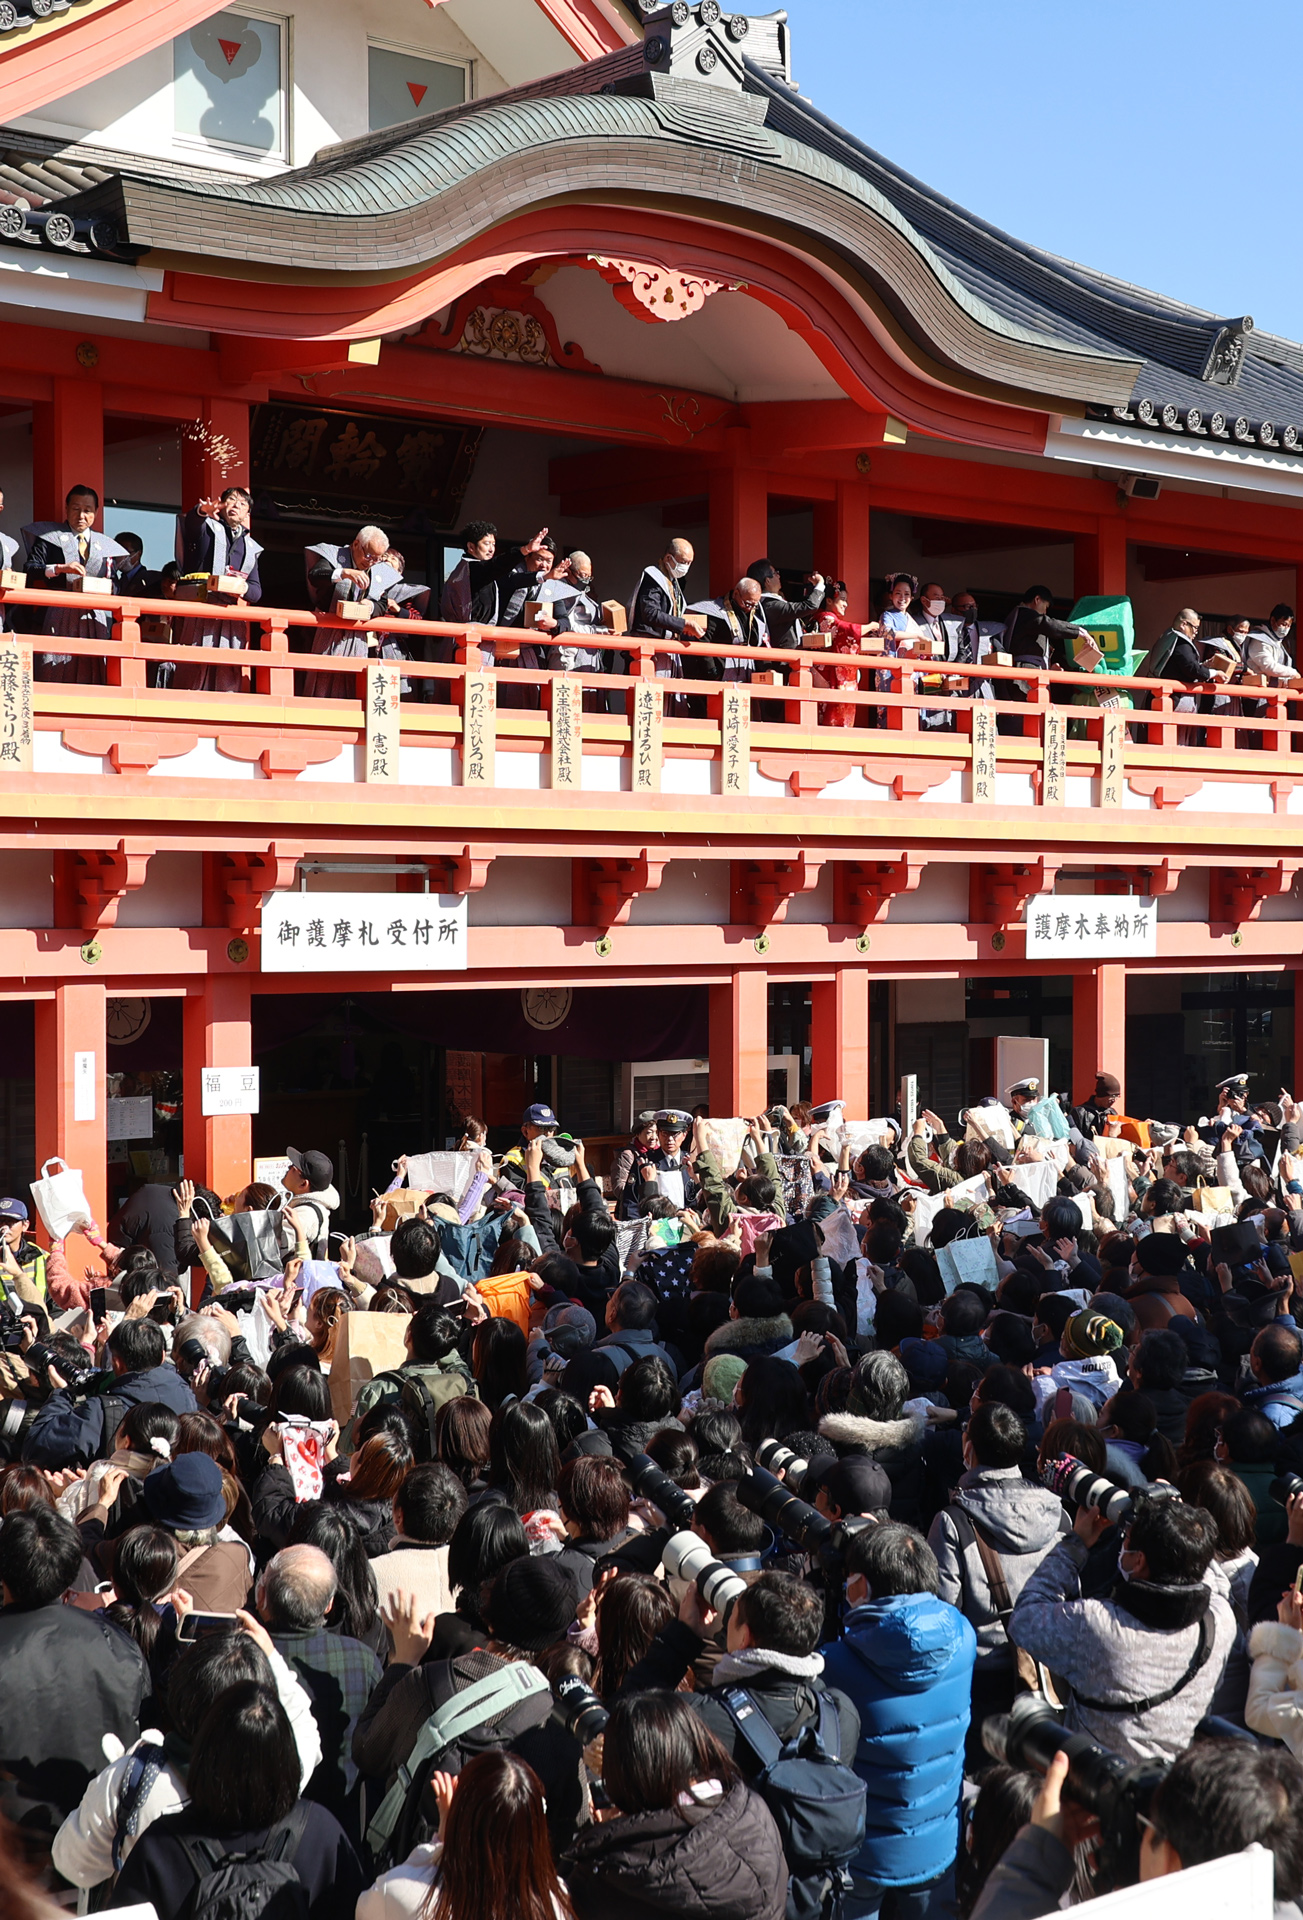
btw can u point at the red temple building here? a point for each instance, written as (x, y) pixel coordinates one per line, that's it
(606, 269)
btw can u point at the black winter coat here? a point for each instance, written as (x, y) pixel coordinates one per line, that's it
(70, 1678)
(707, 1863)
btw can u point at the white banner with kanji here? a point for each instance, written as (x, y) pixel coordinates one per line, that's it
(1090, 926)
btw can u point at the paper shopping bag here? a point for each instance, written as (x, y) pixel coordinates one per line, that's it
(404, 1203)
(60, 1199)
(366, 1344)
(1213, 1200)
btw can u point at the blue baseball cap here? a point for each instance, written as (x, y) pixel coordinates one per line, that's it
(13, 1210)
(539, 1115)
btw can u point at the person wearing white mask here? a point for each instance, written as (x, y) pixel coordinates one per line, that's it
(929, 612)
(659, 608)
(1264, 651)
(1267, 648)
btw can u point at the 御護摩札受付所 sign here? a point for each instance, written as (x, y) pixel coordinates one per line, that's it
(364, 933)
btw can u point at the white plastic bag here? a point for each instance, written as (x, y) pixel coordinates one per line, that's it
(61, 1199)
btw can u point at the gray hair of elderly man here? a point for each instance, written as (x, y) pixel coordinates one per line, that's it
(212, 1337)
(296, 1589)
(374, 538)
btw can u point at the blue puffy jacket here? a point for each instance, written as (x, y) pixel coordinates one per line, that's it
(907, 1665)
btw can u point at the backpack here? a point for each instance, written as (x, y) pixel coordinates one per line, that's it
(262, 1884)
(818, 1803)
(115, 1410)
(398, 1824)
(421, 1403)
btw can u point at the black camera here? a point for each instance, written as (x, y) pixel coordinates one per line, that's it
(775, 1458)
(651, 1482)
(1072, 1480)
(584, 1715)
(1119, 1795)
(76, 1368)
(763, 1494)
(1285, 1487)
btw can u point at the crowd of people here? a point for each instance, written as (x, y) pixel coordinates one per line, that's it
(549, 590)
(804, 1518)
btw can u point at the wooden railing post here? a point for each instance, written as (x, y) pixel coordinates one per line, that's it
(124, 667)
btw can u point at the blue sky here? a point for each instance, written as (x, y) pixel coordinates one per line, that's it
(1156, 139)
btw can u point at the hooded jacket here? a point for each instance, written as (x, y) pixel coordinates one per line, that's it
(1021, 1520)
(312, 1212)
(1275, 1703)
(1106, 1651)
(714, 1862)
(751, 1338)
(906, 1665)
(896, 1445)
(1281, 1400)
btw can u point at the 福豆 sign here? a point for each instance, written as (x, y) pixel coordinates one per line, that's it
(229, 1090)
(1089, 926)
(364, 933)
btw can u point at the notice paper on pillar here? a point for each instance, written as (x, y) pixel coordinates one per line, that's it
(83, 1086)
(1090, 926)
(229, 1090)
(364, 933)
(131, 1118)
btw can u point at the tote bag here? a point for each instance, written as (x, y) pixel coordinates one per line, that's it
(61, 1199)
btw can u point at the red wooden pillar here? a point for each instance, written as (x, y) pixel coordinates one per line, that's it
(739, 524)
(215, 453)
(739, 1046)
(839, 1039)
(841, 542)
(67, 445)
(1298, 1033)
(1099, 1028)
(217, 1033)
(71, 1115)
(1099, 563)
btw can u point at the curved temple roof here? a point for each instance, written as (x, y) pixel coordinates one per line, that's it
(739, 148)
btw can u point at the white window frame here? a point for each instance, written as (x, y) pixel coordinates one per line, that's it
(418, 53)
(274, 156)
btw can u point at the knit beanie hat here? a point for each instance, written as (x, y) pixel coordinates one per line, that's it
(1088, 1334)
(532, 1603)
(721, 1374)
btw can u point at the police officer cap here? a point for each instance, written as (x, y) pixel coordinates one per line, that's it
(674, 1120)
(1026, 1090)
(1233, 1083)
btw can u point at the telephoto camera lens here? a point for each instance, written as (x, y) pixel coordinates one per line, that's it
(1284, 1488)
(1072, 1480)
(775, 1458)
(687, 1557)
(761, 1493)
(1030, 1735)
(651, 1482)
(582, 1711)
